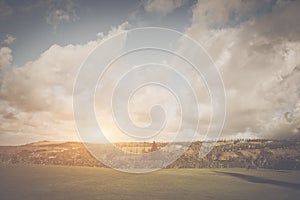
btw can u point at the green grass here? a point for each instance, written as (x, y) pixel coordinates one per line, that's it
(57, 182)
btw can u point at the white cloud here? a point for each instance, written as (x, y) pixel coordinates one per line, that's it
(163, 7)
(5, 58)
(8, 40)
(61, 11)
(58, 16)
(37, 98)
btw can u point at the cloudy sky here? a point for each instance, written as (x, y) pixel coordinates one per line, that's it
(255, 45)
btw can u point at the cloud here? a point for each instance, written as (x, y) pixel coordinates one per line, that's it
(5, 58)
(163, 7)
(61, 11)
(58, 16)
(56, 11)
(8, 40)
(36, 98)
(256, 47)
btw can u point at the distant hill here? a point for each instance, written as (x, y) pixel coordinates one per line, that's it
(272, 154)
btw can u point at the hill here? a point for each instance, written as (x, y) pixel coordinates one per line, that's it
(271, 154)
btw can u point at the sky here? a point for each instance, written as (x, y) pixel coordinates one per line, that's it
(254, 44)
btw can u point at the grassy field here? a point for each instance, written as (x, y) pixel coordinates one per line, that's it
(57, 182)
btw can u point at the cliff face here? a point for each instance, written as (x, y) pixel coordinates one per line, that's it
(245, 154)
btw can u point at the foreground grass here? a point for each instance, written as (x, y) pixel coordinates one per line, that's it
(57, 182)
